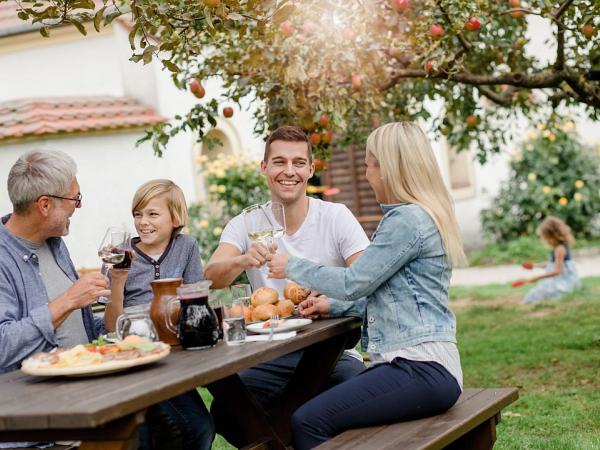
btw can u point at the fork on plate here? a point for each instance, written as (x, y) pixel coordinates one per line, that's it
(273, 323)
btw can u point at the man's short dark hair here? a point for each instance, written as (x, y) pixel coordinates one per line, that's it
(288, 133)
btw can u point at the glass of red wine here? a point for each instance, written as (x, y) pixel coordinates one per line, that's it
(114, 249)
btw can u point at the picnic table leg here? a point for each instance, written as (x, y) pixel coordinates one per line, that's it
(308, 380)
(255, 427)
(272, 429)
(117, 435)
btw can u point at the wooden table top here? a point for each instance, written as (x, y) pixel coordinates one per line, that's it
(28, 402)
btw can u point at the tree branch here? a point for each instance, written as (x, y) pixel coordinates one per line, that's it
(503, 99)
(562, 8)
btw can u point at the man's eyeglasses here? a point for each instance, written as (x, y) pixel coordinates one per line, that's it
(77, 199)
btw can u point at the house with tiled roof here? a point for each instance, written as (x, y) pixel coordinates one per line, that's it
(81, 94)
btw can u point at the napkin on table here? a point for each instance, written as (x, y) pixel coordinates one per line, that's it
(265, 337)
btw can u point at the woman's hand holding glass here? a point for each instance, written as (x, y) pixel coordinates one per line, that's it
(276, 263)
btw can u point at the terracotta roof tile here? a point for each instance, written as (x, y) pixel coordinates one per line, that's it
(46, 116)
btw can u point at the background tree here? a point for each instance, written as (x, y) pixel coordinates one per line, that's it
(349, 65)
(551, 174)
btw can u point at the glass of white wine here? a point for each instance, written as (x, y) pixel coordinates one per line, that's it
(113, 250)
(265, 223)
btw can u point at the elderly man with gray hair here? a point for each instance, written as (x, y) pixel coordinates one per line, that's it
(43, 302)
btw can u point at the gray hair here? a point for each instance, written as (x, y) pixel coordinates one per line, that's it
(38, 173)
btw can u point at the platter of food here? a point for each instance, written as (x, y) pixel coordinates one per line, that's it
(93, 359)
(282, 326)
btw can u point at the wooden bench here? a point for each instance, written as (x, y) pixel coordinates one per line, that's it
(469, 424)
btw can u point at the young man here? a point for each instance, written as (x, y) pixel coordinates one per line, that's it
(321, 231)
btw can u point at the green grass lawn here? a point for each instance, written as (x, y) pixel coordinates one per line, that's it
(551, 351)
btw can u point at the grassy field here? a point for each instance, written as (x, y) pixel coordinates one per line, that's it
(528, 248)
(551, 351)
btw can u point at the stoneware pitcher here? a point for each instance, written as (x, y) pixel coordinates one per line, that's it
(163, 290)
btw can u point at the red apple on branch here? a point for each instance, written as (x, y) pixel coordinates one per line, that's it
(589, 30)
(400, 5)
(436, 31)
(356, 80)
(472, 24)
(324, 121)
(428, 67)
(197, 89)
(315, 138)
(327, 137)
(228, 111)
(471, 120)
(286, 28)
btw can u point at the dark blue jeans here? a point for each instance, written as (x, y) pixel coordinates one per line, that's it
(180, 423)
(386, 393)
(267, 382)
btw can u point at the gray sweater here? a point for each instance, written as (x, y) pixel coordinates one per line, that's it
(180, 259)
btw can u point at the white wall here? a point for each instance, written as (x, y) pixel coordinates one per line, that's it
(110, 167)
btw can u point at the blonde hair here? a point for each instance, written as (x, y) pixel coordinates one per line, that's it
(410, 174)
(174, 196)
(555, 231)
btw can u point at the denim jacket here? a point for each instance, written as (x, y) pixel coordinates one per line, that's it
(404, 275)
(25, 320)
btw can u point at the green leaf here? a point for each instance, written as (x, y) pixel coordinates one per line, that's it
(235, 16)
(77, 24)
(148, 53)
(132, 34)
(98, 18)
(44, 32)
(208, 17)
(22, 15)
(283, 13)
(172, 67)
(111, 16)
(83, 4)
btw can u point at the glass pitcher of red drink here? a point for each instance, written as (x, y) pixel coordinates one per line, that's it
(198, 326)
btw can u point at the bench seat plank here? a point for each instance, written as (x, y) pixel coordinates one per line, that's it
(473, 408)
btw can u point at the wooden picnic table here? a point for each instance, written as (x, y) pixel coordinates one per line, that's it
(105, 411)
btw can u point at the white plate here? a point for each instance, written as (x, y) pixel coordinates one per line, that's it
(95, 369)
(286, 325)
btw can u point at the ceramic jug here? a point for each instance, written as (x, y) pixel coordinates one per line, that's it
(163, 290)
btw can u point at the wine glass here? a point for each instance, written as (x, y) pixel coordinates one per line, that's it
(276, 215)
(114, 248)
(258, 226)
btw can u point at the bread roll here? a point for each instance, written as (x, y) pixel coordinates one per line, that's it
(295, 293)
(248, 313)
(285, 308)
(264, 295)
(263, 312)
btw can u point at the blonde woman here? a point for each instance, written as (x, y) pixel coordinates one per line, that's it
(400, 287)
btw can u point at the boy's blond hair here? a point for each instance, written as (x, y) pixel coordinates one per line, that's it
(173, 194)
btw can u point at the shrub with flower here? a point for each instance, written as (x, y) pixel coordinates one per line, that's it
(233, 183)
(553, 173)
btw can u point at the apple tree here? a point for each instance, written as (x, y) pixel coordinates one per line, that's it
(339, 68)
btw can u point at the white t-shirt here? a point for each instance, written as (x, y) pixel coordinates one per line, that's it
(329, 235)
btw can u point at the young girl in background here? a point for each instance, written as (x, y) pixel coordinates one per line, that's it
(161, 251)
(561, 275)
